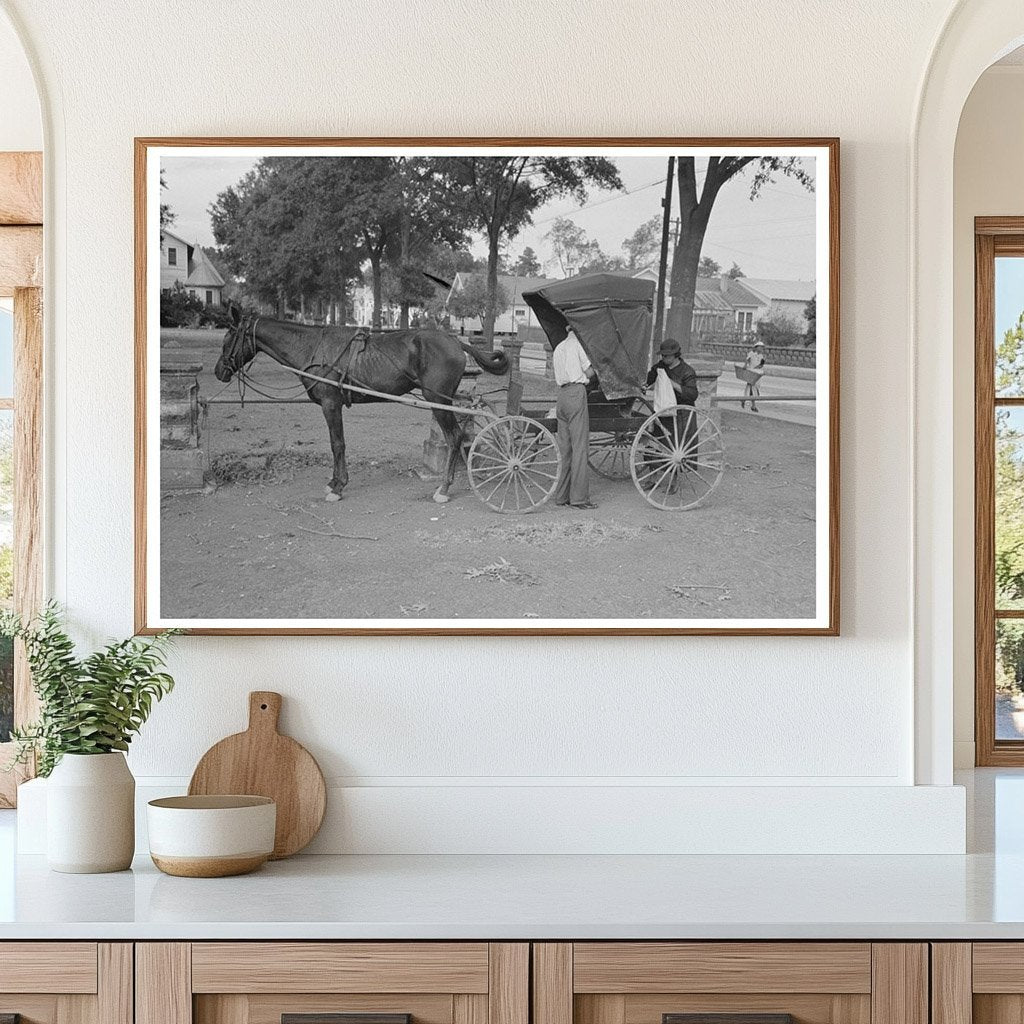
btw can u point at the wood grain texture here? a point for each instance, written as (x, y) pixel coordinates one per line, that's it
(998, 967)
(304, 967)
(508, 993)
(28, 482)
(603, 1009)
(984, 501)
(998, 1009)
(143, 624)
(346, 1018)
(115, 995)
(469, 1008)
(163, 983)
(21, 188)
(634, 967)
(262, 762)
(806, 1008)
(21, 259)
(65, 967)
(552, 983)
(899, 990)
(951, 983)
(225, 1009)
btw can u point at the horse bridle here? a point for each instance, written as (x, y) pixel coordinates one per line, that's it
(236, 357)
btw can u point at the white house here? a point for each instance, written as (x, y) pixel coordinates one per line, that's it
(516, 315)
(783, 298)
(187, 264)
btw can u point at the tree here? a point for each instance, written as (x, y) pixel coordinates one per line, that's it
(707, 267)
(643, 246)
(473, 299)
(1009, 472)
(166, 216)
(695, 212)
(501, 193)
(735, 271)
(811, 316)
(527, 265)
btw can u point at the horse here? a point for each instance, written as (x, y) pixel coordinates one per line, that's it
(394, 364)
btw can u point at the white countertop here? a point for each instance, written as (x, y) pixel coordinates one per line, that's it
(516, 897)
(978, 896)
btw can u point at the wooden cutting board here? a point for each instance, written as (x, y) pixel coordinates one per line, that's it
(262, 762)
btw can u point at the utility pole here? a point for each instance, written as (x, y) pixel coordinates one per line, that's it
(666, 224)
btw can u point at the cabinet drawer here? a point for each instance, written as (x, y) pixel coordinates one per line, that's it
(333, 983)
(66, 982)
(64, 967)
(730, 983)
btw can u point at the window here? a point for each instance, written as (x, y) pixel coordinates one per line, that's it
(172, 256)
(209, 297)
(744, 320)
(999, 491)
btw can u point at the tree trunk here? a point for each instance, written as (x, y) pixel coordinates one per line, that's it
(490, 314)
(685, 261)
(403, 320)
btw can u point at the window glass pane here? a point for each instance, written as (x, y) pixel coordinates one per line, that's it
(6, 567)
(6, 354)
(1009, 525)
(1009, 339)
(1009, 679)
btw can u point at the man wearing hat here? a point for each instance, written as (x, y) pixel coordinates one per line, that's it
(755, 363)
(682, 376)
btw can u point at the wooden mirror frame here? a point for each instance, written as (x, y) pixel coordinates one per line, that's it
(21, 273)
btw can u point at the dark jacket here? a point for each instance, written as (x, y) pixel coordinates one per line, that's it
(682, 375)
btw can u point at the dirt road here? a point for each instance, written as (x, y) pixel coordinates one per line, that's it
(264, 543)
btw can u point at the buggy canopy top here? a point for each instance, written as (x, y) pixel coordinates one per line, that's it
(611, 316)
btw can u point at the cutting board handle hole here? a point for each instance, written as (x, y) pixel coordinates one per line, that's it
(263, 707)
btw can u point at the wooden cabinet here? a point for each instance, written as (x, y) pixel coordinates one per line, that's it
(66, 982)
(750, 982)
(978, 983)
(310, 982)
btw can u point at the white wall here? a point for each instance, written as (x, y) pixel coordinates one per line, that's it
(987, 181)
(430, 716)
(21, 126)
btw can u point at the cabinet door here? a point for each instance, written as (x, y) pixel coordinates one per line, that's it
(332, 983)
(979, 982)
(65, 983)
(730, 983)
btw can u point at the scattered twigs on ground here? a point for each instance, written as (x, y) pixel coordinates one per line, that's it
(293, 509)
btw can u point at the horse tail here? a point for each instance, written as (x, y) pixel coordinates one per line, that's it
(492, 362)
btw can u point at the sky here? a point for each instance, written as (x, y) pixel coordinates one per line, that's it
(1009, 293)
(772, 236)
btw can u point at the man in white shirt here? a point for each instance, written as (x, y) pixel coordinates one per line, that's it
(572, 372)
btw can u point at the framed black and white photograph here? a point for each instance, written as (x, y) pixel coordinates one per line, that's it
(498, 386)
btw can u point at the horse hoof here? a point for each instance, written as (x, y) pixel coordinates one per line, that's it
(331, 496)
(441, 499)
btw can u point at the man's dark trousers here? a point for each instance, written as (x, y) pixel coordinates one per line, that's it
(573, 442)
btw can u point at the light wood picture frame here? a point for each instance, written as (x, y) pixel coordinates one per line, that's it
(207, 568)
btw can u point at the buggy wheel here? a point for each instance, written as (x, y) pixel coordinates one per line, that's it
(678, 458)
(513, 464)
(608, 455)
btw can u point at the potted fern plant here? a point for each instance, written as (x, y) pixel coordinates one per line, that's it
(90, 708)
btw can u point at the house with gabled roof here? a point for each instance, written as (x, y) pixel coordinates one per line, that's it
(784, 298)
(518, 314)
(186, 264)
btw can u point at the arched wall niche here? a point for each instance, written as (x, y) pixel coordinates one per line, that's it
(976, 34)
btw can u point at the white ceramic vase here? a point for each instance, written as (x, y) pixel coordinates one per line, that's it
(90, 814)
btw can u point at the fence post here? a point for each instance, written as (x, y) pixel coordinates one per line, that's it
(182, 461)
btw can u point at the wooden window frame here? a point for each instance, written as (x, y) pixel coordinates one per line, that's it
(21, 273)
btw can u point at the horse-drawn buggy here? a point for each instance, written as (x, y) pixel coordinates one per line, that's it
(674, 455)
